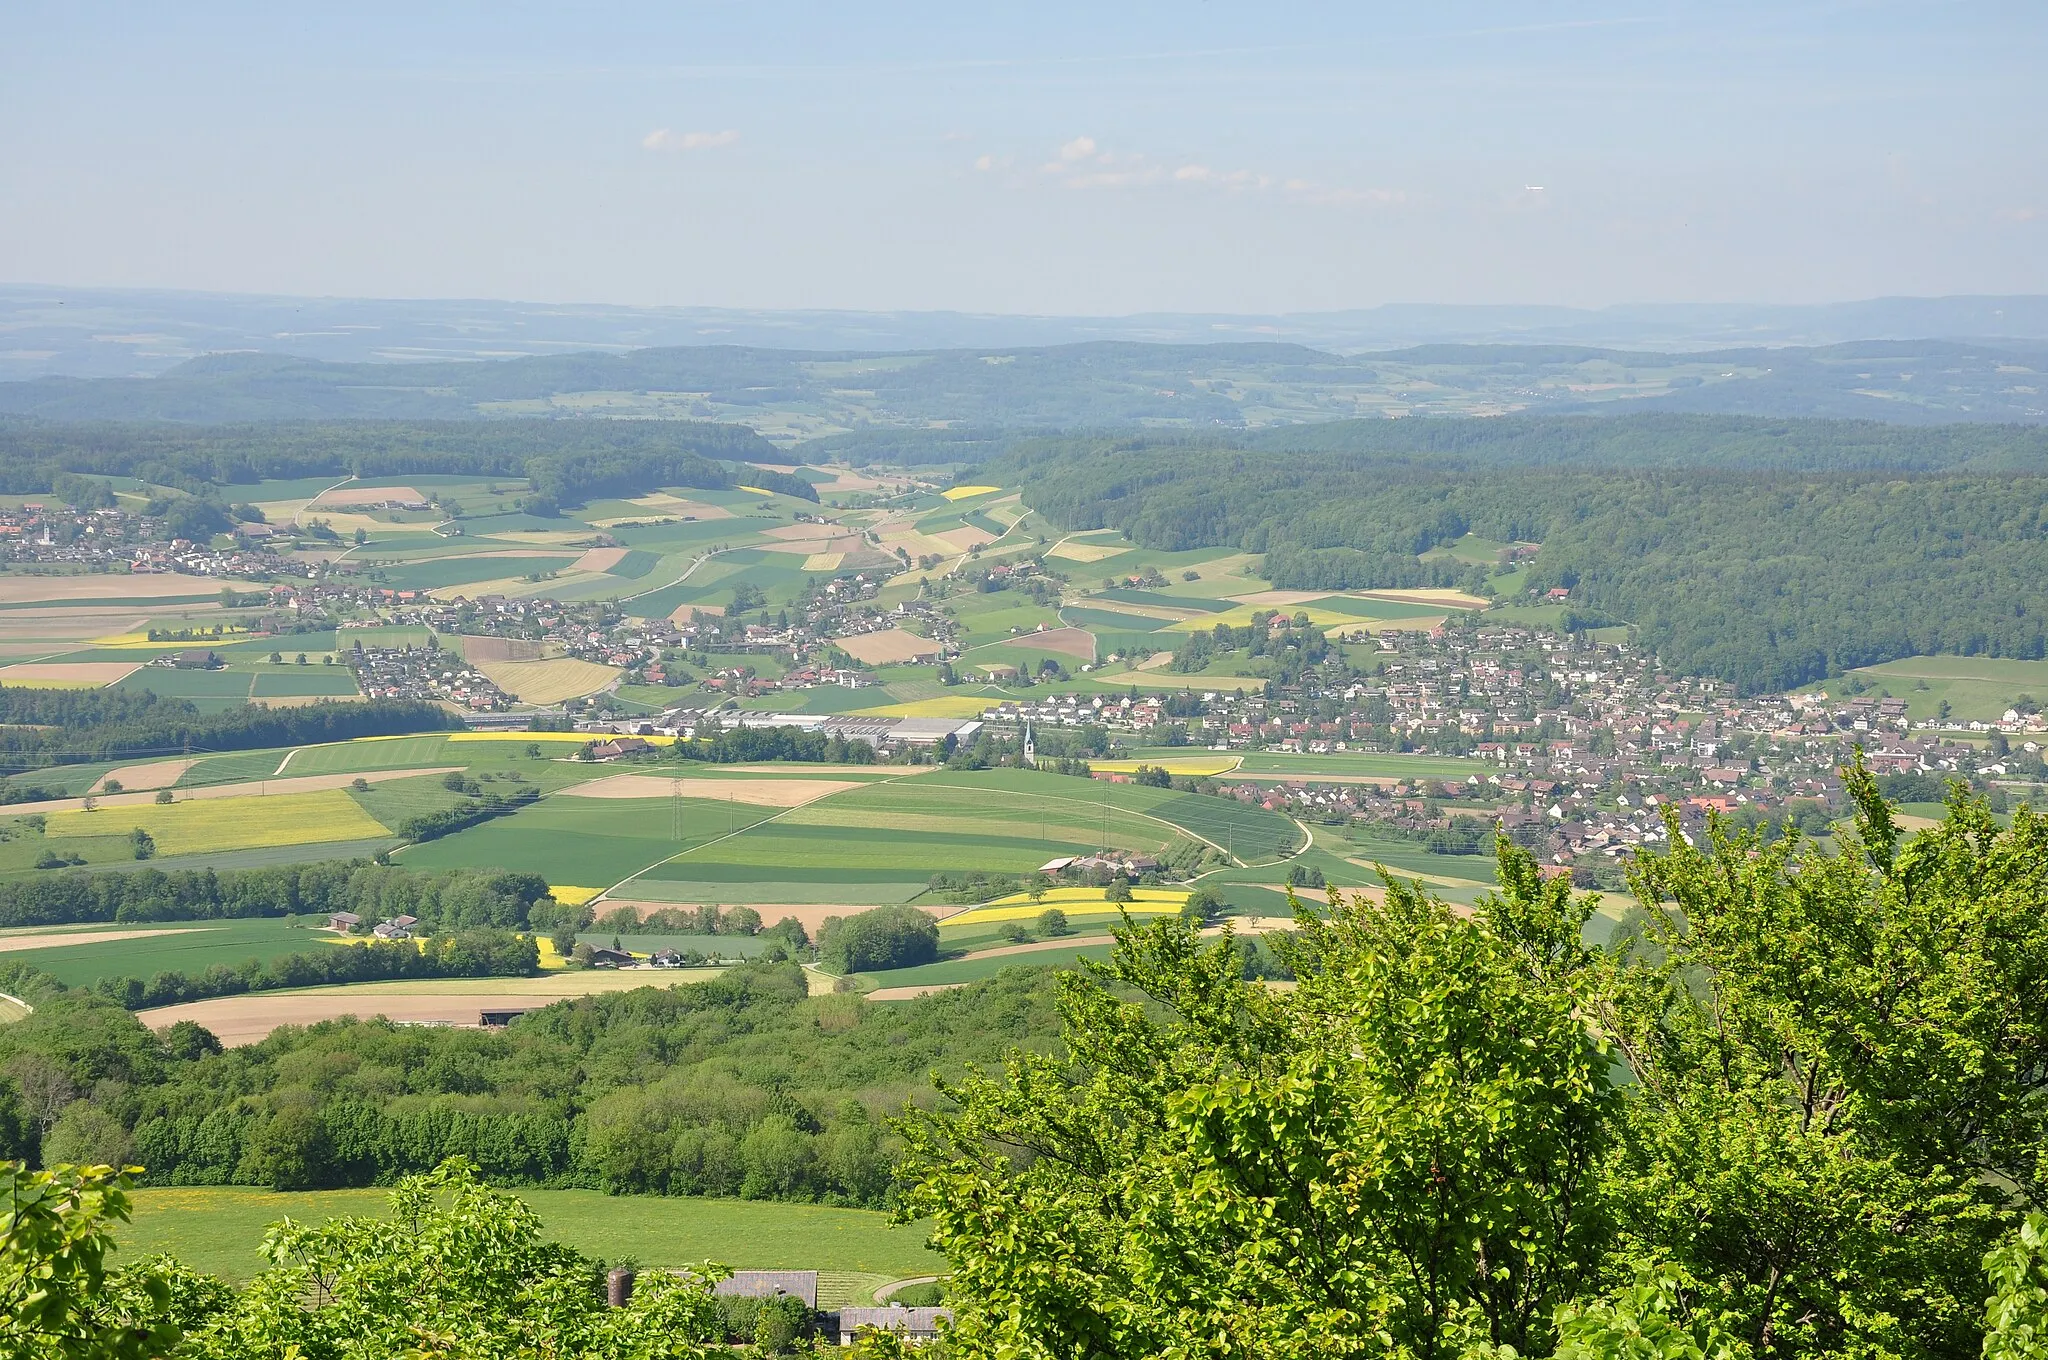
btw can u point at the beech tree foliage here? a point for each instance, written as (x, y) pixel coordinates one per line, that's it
(1800, 1114)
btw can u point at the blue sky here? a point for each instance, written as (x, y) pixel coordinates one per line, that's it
(1048, 158)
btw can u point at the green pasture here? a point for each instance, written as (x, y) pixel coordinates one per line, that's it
(1365, 609)
(1097, 619)
(234, 768)
(1975, 687)
(183, 946)
(393, 801)
(22, 847)
(589, 842)
(1281, 765)
(635, 564)
(689, 886)
(460, 571)
(349, 757)
(218, 1229)
(277, 682)
(264, 856)
(972, 969)
(989, 618)
(1164, 598)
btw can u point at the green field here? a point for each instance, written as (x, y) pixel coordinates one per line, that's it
(891, 835)
(1275, 764)
(348, 757)
(975, 969)
(186, 946)
(218, 1229)
(462, 571)
(589, 842)
(1975, 687)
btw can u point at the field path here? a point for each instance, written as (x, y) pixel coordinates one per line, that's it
(156, 774)
(286, 761)
(300, 783)
(739, 831)
(14, 944)
(696, 563)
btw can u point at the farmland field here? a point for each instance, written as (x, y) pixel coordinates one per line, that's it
(547, 682)
(249, 1017)
(228, 823)
(218, 1229)
(93, 952)
(583, 840)
(1310, 767)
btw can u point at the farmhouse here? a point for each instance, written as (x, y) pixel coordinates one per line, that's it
(768, 1284)
(344, 921)
(912, 1324)
(619, 746)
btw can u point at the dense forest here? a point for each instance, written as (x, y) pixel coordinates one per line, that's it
(567, 461)
(1768, 579)
(40, 728)
(741, 1085)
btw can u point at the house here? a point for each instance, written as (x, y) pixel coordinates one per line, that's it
(397, 928)
(768, 1284)
(610, 958)
(196, 659)
(343, 921)
(913, 1324)
(619, 746)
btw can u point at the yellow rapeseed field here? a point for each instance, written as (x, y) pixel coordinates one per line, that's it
(202, 826)
(571, 897)
(1195, 766)
(961, 493)
(1020, 907)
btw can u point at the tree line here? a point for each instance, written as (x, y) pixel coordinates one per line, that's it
(442, 900)
(72, 727)
(567, 461)
(740, 1085)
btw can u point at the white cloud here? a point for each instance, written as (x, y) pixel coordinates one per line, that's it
(1085, 164)
(664, 139)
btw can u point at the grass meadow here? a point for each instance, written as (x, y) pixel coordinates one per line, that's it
(218, 1229)
(186, 946)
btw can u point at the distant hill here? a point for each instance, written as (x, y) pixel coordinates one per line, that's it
(790, 395)
(50, 331)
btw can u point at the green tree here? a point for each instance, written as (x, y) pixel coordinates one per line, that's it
(2016, 1323)
(55, 1304)
(457, 1271)
(1398, 1156)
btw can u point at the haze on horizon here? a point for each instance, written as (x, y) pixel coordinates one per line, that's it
(1050, 159)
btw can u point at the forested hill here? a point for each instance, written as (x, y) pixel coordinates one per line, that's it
(1093, 385)
(1766, 578)
(566, 460)
(1651, 440)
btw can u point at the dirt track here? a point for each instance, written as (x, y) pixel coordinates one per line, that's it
(15, 944)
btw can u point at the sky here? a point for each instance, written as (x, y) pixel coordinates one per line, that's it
(1043, 158)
